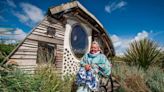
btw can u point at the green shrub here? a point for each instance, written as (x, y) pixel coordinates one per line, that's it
(142, 53)
(45, 79)
(155, 79)
(5, 50)
(134, 80)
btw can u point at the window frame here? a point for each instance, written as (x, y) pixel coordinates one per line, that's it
(54, 53)
(84, 29)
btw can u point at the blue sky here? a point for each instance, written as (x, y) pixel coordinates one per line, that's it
(125, 20)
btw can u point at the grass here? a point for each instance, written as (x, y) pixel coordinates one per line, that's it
(133, 79)
(44, 80)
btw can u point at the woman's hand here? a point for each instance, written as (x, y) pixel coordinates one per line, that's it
(87, 67)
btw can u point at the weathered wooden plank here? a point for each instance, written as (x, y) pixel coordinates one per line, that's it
(59, 55)
(61, 46)
(50, 21)
(27, 50)
(24, 62)
(45, 35)
(41, 34)
(53, 20)
(44, 31)
(59, 59)
(60, 32)
(23, 57)
(46, 39)
(28, 41)
(59, 27)
(41, 31)
(63, 7)
(28, 66)
(45, 27)
(60, 36)
(59, 67)
(59, 52)
(29, 45)
(25, 53)
(58, 64)
(24, 47)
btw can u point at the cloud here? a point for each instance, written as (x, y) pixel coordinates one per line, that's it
(30, 14)
(33, 12)
(22, 18)
(12, 34)
(20, 34)
(115, 6)
(141, 35)
(121, 44)
(11, 3)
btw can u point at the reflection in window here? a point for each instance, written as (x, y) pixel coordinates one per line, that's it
(45, 53)
(79, 41)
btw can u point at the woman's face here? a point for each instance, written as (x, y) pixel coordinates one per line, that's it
(94, 48)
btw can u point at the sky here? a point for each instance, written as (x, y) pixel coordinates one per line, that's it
(124, 20)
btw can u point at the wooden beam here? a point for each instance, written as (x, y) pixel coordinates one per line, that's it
(45, 39)
(79, 18)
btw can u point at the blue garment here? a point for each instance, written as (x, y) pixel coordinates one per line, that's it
(87, 78)
(99, 66)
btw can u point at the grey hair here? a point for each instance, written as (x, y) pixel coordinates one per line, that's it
(95, 42)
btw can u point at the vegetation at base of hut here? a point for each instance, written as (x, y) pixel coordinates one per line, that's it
(45, 79)
(5, 50)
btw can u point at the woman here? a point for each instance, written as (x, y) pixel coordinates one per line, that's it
(93, 65)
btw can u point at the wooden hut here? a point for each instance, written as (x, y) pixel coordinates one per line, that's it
(61, 38)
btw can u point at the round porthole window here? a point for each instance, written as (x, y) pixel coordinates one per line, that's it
(79, 41)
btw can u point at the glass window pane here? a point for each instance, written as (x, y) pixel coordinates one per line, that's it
(45, 53)
(79, 41)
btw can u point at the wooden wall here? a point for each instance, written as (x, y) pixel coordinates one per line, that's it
(26, 54)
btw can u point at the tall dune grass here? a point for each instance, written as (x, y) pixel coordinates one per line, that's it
(133, 79)
(44, 80)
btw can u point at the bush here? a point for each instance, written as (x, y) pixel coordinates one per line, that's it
(46, 79)
(134, 80)
(155, 79)
(142, 53)
(5, 50)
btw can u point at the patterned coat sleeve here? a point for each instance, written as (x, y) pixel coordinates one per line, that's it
(83, 62)
(106, 66)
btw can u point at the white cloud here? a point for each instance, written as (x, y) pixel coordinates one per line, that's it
(33, 12)
(30, 14)
(11, 3)
(115, 6)
(141, 35)
(116, 40)
(121, 44)
(12, 35)
(20, 34)
(22, 18)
